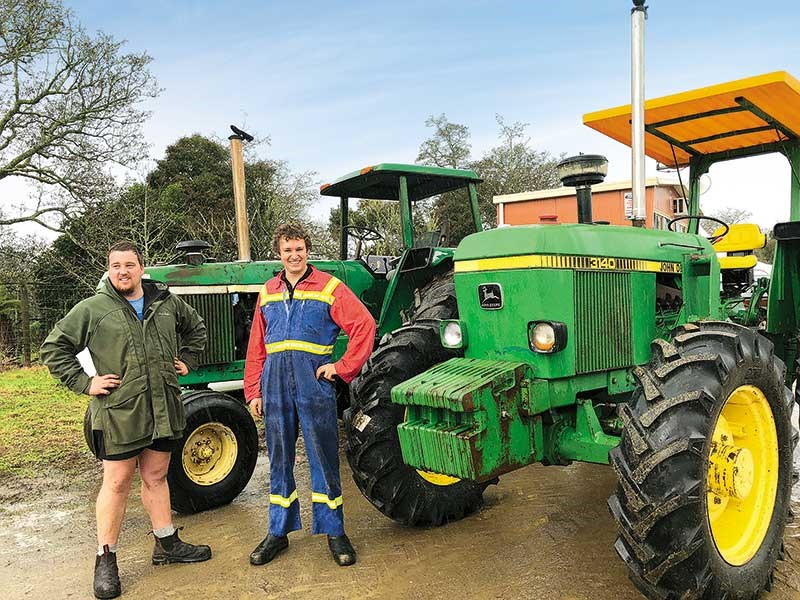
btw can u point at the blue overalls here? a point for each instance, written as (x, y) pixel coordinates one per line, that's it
(300, 335)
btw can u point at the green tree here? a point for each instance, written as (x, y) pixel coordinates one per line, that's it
(767, 253)
(449, 146)
(194, 179)
(20, 294)
(70, 107)
(188, 195)
(275, 195)
(384, 217)
(9, 306)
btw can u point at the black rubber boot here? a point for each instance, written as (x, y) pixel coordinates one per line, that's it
(172, 549)
(269, 548)
(106, 575)
(342, 550)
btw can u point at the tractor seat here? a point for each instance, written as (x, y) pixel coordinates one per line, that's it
(378, 265)
(738, 245)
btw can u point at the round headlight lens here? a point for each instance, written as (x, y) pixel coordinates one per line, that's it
(452, 334)
(543, 337)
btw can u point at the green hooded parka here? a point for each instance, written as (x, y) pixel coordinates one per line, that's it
(147, 404)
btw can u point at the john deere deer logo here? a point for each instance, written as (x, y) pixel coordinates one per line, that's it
(490, 296)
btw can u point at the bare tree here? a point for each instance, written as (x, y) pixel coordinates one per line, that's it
(727, 215)
(449, 146)
(513, 166)
(70, 108)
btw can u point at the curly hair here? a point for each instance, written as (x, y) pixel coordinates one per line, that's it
(125, 246)
(289, 231)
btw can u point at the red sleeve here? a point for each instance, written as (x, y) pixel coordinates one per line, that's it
(352, 316)
(256, 355)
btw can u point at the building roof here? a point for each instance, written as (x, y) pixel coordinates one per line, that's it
(570, 191)
(739, 117)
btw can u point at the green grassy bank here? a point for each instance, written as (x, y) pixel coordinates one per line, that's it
(41, 425)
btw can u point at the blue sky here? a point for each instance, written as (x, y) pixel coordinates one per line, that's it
(339, 85)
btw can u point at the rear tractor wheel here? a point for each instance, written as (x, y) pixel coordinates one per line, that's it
(400, 492)
(705, 466)
(217, 455)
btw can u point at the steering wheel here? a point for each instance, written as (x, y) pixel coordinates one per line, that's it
(361, 235)
(711, 239)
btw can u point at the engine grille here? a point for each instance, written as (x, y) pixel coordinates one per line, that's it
(217, 312)
(604, 321)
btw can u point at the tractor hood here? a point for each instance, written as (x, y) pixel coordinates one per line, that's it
(601, 285)
(580, 240)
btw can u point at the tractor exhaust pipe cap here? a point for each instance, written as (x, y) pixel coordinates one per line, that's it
(582, 172)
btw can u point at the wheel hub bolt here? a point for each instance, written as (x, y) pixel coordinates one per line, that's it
(731, 472)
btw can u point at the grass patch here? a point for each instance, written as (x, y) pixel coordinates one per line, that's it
(41, 425)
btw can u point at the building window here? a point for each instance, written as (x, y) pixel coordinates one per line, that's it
(679, 206)
(660, 221)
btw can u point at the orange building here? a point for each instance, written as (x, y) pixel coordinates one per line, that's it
(663, 197)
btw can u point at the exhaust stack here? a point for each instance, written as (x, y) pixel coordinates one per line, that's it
(239, 196)
(638, 16)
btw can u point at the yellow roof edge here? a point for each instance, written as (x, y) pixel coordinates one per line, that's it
(704, 92)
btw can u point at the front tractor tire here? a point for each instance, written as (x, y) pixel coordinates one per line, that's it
(217, 454)
(400, 492)
(705, 466)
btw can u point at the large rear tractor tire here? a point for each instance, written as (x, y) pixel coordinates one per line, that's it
(401, 492)
(217, 454)
(705, 466)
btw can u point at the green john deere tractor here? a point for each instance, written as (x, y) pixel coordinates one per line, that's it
(220, 446)
(612, 344)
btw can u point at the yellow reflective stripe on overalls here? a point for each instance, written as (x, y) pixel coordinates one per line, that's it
(333, 504)
(283, 501)
(330, 286)
(326, 295)
(300, 345)
(321, 296)
(265, 297)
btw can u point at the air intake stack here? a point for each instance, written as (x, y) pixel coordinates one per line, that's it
(582, 172)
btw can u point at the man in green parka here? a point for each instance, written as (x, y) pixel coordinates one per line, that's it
(140, 337)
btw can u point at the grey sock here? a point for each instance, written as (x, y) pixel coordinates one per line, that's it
(111, 548)
(163, 532)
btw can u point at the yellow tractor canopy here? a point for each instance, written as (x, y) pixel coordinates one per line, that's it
(734, 116)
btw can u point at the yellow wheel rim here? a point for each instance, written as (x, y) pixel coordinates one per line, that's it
(742, 475)
(438, 478)
(209, 453)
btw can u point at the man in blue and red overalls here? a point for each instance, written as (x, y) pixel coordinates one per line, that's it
(289, 379)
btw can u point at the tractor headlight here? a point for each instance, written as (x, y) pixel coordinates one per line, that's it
(547, 336)
(452, 334)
